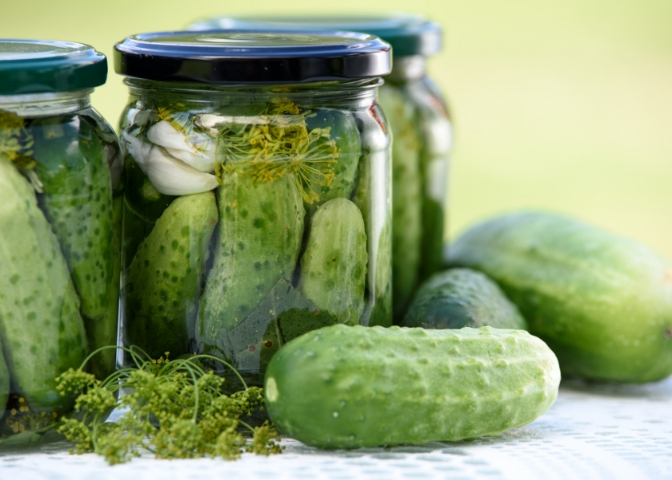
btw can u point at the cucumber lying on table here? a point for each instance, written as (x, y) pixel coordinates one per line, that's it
(349, 387)
(603, 303)
(461, 297)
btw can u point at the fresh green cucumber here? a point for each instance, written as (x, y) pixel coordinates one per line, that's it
(406, 199)
(164, 279)
(603, 303)
(459, 298)
(257, 243)
(77, 202)
(41, 328)
(333, 266)
(349, 387)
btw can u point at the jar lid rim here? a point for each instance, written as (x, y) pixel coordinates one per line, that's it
(48, 66)
(408, 33)
(252, 56)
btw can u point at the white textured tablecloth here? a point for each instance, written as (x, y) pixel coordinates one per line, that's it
(591, 432)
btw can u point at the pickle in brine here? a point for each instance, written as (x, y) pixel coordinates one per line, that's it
(333, 267)
(75, 173)
(164, 280)
(40, 325)
(257, 243)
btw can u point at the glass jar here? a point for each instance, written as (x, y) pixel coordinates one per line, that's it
(257, 191)
(60, 227)
(421, 128)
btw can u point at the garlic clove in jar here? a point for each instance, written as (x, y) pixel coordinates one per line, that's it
(197, 150)
(134, 146)
(170, 176)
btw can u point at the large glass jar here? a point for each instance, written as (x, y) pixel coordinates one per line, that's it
(257, 191)
(421, 129)
(60, 227)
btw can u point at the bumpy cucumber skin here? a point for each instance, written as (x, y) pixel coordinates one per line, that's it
(163, 282)
(103, 332)
(462, 298)
(406, 197)
(4, 382)
(40, 324)
(257, 243)
(333, 266)
(603, 303)
(350, 387)
(77, 201)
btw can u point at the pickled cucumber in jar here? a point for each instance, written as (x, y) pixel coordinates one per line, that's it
(422, 131)
(243, 227)
(60, 228)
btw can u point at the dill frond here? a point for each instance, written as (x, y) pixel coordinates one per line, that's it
(276, 145)
(176, 410)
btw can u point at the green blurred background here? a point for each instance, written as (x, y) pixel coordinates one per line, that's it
(558, 104)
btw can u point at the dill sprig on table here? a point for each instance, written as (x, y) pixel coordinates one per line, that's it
(175, 409)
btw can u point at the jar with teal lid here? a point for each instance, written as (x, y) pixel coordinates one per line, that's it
(257, 191)
(422, 135)
(60, 227)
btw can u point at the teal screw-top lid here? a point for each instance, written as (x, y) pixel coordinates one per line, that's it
(409, 34)
(44, 66)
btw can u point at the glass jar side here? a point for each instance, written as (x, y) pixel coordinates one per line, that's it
(422, 133)
(61, 236)
(252, 215)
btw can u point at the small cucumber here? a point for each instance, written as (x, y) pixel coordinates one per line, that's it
(603, 303)
(333, 267)
(257, 243)
(462, 298)
(164, 279)
(73, 167)
(406, 199)
(4, 382)
(103, 332)
(41, 328)
(350, 387)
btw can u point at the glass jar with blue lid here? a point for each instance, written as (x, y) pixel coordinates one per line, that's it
(60, 227)
(257, 190)
(422, 134)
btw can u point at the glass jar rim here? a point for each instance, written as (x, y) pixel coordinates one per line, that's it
(46, 66)
(408, 33)
(252, 56)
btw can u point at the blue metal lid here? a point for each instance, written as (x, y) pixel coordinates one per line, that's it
(44, 66)
(252, 56)
(409, 34)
